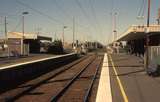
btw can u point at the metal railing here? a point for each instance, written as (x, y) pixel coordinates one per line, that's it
(154, 51)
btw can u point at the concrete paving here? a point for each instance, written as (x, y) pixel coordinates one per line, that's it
(5, 61)
(136, 84)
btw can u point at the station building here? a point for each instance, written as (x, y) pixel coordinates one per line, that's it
(25, 44)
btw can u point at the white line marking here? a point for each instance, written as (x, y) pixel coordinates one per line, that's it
(104, 88)
(29, 62)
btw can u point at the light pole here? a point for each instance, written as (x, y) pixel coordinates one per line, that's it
(64, 27)
(73, 31)
(115, 26)
(6, 35)
(147, 36)
(22, 40)
(158, 19)
(114, 31)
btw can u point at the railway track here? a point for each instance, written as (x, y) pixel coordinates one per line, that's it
(87, 75)
(47, 87)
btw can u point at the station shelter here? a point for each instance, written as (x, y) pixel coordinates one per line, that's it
(135, 36)
(23, 44)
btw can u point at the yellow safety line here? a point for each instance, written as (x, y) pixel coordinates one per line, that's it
(119, 82)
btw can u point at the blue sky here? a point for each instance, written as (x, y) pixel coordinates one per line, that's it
(93, 17)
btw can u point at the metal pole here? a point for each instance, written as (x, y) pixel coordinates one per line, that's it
(147, 36)
(5, 30)
(22, 40)
(63, 36)
(6, 37)
(158, 19)
(115, 31)
(73, 30)
(55, 35)
(23, 36)
(148, 17)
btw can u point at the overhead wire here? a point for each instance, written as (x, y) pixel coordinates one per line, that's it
(141, 12)
(39, 12)
(95, 16)
(65, 13)
(43, 14)
(49, 17)
(113, 18)
(142, 9)
(16, 27)
(60, 8)
(85, 14)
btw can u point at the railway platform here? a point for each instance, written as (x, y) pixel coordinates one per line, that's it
(129, 81)
(72, 82)
(19, 70)
(120, 78)
(7, 61)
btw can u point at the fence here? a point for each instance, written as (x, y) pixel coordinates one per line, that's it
(154, 53)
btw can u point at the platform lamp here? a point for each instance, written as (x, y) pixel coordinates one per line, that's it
(22, 41)
(147, 36)
(64, 27)
(6, 36)
(115, 26)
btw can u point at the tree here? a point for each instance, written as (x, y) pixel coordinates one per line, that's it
(56, 47)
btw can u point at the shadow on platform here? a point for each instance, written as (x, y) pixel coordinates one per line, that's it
(124, 74)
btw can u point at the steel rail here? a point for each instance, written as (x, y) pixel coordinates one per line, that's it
(43, 81)
(87, 95)
(61, 92)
